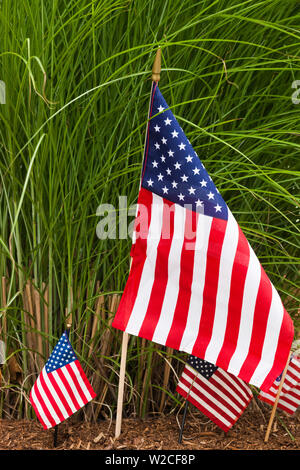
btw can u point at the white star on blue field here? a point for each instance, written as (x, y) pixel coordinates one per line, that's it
(173, 170)
(205, 368)
(61, 355)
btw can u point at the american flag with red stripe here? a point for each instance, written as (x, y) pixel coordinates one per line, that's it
(221, 396)
(195, 283)
(62, 387)
(289, 398)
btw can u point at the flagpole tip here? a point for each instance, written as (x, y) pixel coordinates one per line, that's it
(156, 69)
(68, 320)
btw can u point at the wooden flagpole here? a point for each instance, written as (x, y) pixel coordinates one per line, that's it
(155, 78)
(3, 327)
(121, 384)
(277, 400)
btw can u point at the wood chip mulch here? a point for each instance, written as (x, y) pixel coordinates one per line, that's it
(155, 433)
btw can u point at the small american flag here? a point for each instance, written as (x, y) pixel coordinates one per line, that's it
(195, 283)
(289, 399)
(62, 387)
(221, 396)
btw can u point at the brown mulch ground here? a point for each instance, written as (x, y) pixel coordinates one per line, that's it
(159, 433)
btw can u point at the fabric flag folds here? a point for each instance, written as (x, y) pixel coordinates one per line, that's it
(221, 396)
(62, 387)
(195, 283)
(289, 399)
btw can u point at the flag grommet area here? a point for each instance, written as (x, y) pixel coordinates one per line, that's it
(195, 283)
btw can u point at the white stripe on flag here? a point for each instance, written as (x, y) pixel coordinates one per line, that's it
(171, 294)
(142, 299)
(44, 396)
(82, 385)
(291, 382)
(289, 402)
(287, 405)
(193, 320)
(54, 395)
(231, 390)
(242, 387)
(289, 399)
(64, 391)
(226, 264)
(249, 300)
(210, 398)
(69, 379)
(293, 376)
(275, 318)
(217, 390)
(39, 406)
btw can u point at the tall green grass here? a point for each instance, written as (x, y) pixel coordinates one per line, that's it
(77, 77)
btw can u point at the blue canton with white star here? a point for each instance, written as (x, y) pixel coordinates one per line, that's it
(172, 168)
(62, 354)
(205, 368)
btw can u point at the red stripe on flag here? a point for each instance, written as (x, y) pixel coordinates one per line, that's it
(207, 389)
(217, 395)
(34, 404)
(260, 319)
(292, 400)
(238, 277)
(161, 272)
(51, 398)
(185, 281)
(85, 380)
(290, 391)
(59, 393)
(208, 403)
(220, 386)
(294, 374)
(76, 383)
(43, 405)
(282, 350)
(65, 381)
(214, 250)
(228, 384)
(204, 410)
(140, 253)
(281, 403)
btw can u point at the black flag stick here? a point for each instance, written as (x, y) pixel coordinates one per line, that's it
(183, 421)
(55, 434)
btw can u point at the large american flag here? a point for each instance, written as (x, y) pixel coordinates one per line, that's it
(221, 396)
(62, 387)
(289, 398)
(195, 283)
